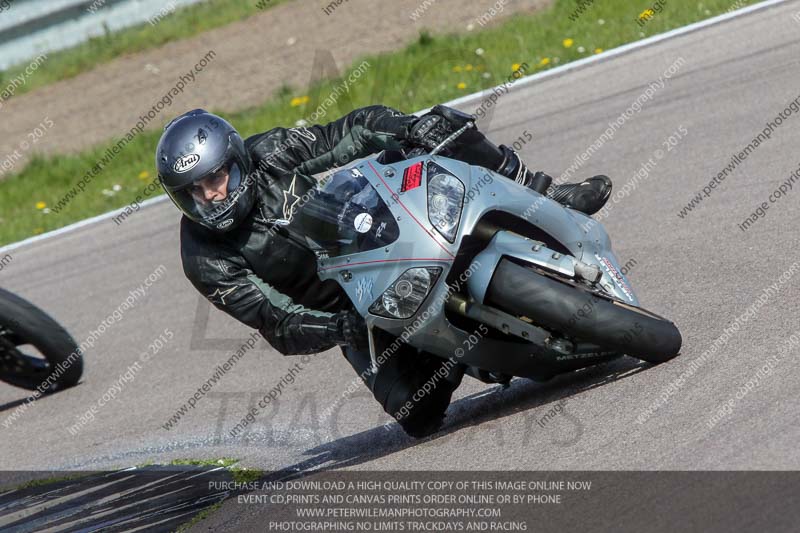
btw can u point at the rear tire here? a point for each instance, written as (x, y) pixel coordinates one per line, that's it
(580, 314)
(30, 325)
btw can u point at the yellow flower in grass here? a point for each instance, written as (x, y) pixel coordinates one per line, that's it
(457, 68)
(647, 14)
(468, 67)
(143, 175)
(40, 205)
(298, 101)
(545, 61)
(568, 43)
(598, 50)
(461, 85)
(515, 67)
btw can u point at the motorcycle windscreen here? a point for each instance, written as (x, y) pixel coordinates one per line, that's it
(345, 215)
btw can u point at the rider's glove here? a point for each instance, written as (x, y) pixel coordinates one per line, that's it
(430, 131)
(434, 127)
(347, 328)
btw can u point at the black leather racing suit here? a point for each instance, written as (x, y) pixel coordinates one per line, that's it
(269, 282)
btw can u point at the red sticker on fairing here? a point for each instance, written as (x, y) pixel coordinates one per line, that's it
(412, 177)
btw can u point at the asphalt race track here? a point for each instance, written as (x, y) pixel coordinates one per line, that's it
(722, 85)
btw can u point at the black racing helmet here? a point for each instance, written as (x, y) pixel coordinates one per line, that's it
(194, 146)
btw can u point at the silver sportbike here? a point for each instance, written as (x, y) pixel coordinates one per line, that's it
(474, 268)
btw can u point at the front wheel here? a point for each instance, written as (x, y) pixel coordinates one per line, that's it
(35, 351)
(580, 314)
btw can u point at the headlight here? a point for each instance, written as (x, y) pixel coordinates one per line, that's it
(407, 293)
(445, 201)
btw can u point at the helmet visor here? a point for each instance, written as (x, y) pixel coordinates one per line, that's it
(211, 198)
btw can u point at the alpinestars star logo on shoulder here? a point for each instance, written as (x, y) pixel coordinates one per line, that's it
(290, 200)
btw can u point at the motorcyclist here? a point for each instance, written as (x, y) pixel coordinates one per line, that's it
(234, 193)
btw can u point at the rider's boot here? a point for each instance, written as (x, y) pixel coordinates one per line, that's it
(409, 386)
(588, 196)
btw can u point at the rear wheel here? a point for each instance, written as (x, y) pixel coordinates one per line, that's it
(581, 314)
(35, 351)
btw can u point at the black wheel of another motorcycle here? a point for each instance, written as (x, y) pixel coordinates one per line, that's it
(578, 313)
(35, 351)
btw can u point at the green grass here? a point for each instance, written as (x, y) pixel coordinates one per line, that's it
(434, 69)
(184, 22)
(240, 474)
(223, 461)
(246, 475)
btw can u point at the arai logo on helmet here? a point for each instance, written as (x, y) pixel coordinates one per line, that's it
(225, 223)
(186, 163)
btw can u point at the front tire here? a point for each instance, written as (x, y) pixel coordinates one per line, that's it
(580, 314)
